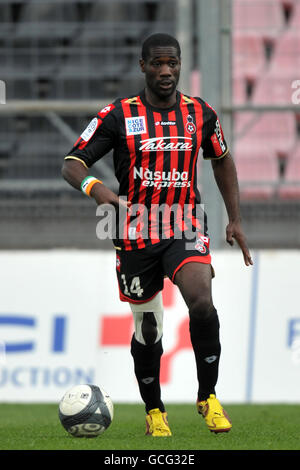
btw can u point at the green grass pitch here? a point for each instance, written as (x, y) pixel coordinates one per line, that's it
(255, 427)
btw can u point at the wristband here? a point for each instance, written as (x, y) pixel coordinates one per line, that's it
(87, 184)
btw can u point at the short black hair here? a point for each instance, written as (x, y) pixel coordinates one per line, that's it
(159, 40)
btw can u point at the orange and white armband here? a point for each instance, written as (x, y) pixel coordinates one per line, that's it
(87, 184)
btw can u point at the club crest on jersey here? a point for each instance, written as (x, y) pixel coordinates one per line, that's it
(190, 126)
(135, 125)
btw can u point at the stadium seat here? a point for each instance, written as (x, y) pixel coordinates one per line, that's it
(242, 121)
(276, 130)
(257, 170)
(275, 85)
(262, 16)
(46, 20)
(272, 89)
(239, 94)
(290, 187)
(295, 19)
(286, 58)
(33, 11)
(248, 55)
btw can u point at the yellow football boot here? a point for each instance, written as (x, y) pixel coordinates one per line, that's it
(157, 424)
(215, 416)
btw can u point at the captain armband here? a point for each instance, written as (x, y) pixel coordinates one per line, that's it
(88, 183)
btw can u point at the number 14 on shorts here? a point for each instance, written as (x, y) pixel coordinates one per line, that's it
(135, 286)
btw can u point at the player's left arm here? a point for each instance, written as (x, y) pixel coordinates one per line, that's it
(226, 178)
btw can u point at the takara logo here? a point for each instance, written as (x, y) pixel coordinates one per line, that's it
(178, 143)
(162, 179)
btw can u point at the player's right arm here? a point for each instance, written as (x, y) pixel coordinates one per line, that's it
(74, 172)
(98, 139)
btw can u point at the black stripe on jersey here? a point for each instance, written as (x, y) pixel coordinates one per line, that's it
(138, 163)
(124, 169)
(180, 132)
(166, 168)
(152, 155)
(193, 161)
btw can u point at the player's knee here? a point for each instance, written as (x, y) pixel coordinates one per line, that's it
(202, 309)
(149, 328)
(148, 320)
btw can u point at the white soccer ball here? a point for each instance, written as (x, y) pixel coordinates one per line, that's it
(86, 410)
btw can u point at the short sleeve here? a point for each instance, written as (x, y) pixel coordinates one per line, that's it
(214, 144)
(99, 137)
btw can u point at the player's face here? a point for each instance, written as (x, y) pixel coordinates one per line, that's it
(162, 71)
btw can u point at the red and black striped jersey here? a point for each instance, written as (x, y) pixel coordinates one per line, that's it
(155, 155)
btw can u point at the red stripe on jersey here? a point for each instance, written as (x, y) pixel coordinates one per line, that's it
(217, 139)
(173, 164)
(159, 166)
(132, 154)
(131, 144)
(199, 126)
(142, 190)
(187, 156)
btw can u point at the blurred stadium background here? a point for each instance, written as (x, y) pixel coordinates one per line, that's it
(62, 61)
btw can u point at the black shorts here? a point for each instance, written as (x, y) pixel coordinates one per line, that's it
(141, 272)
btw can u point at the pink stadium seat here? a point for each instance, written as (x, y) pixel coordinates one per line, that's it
(274, 130)
(286, 58)
(248, 55)
(239, 94)
(295, 20)
(290, 188)
(257, 169)
(242, 121)
(274, 89)
(259, 15)
(275, 85)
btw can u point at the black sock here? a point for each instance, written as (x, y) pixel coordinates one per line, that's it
(207, 350)
(147, 367)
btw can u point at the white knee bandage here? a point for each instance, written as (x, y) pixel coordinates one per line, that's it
(148, 328)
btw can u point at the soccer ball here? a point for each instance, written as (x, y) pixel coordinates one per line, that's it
(86, 410)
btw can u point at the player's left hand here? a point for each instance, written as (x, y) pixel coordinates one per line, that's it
(234, 231)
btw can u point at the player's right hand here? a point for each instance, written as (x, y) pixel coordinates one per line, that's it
(103, 195)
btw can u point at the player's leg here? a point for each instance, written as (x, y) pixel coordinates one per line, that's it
(140, 282)
(194, 282)
(146, 350)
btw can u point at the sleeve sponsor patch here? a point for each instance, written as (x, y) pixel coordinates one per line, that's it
(217, 140)
(135, 125)
(90, 130)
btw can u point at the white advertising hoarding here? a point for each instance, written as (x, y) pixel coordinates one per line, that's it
(62, 323)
